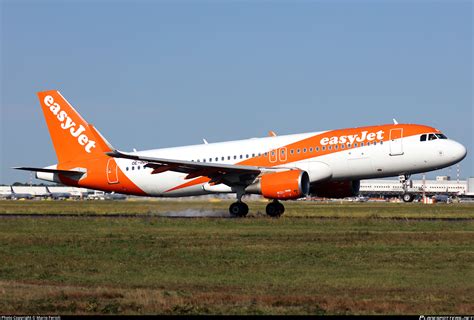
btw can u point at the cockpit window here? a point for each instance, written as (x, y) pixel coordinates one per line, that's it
(432, 136)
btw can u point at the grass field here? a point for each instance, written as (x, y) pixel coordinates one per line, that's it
(354, 261)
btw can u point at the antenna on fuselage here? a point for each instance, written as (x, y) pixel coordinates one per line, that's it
(395, 121)
(205, 141)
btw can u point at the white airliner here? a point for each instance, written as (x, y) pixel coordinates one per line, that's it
(325, 163)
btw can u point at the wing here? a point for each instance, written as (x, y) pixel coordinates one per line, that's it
(229, 174)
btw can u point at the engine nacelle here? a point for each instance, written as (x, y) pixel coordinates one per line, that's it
(284, 185)
(336, 189)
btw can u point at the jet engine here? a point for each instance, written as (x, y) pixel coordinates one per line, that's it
(284, 185)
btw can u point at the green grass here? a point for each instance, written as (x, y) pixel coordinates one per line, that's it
(257, 208)
(297, 264)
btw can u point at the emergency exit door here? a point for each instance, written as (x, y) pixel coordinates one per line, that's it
(112, 171)
(396, 143)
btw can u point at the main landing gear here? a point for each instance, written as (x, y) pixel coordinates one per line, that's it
(275, 209)
(239, 209)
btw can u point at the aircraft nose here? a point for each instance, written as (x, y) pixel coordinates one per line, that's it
(458, 151)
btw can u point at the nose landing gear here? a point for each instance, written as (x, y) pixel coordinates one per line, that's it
(408, 197)
(405, 180)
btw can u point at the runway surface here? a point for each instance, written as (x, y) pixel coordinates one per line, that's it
(196, 214)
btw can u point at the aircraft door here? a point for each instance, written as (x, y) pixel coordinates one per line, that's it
(112, 171)
(396, 144)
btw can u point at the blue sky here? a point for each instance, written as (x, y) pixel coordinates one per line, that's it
(153, 74)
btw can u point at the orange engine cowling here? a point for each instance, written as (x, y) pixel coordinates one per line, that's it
(285, 185)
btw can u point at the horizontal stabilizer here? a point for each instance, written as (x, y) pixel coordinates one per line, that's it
(67, 173)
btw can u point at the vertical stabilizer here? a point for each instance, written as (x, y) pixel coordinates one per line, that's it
(73, 138)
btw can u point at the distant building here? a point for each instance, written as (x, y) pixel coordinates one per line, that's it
(443, 185)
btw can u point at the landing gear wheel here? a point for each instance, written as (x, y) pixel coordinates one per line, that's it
(239, 209)
(275, 209)
(281, 208)
(408, 197)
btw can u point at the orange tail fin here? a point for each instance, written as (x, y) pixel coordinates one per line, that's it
(73, 138)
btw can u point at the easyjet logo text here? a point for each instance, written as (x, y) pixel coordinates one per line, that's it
(68, 124)
(363, 136)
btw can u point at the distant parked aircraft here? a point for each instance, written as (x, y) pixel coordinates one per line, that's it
(58, 195)
(18, 196)
(325, 164)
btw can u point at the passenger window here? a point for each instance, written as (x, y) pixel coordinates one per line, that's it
(203, 160)
(348, 145)
(317, 149)
(323, 148)
(330, 147)
(217, 159)
(198, 160)
(311, 149)
(423, 137)
(126, 168)
(133, 168)
(297, 150)
(241, 156)
(138, 168)
(335, 147)
(343, 146)
(222, 159)
(253, 155)
(247, 156)
(235, 157)
(361, 144)
(292, 151)
(228, 157)
(355, 145)
(210, 159)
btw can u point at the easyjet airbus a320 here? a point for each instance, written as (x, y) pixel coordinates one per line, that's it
(326, 163)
